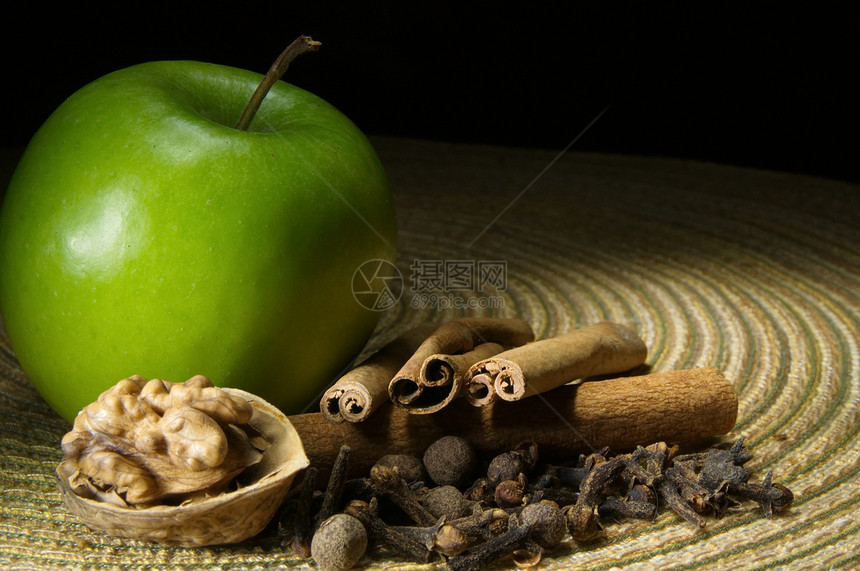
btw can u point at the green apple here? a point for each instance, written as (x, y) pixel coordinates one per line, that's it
(144, 233)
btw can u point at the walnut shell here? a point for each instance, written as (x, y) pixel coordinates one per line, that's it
(228, 517)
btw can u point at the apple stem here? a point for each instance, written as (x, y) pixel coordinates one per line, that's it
(299, 46)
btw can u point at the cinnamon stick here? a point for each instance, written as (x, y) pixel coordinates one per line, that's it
(362, 390)
(419, 394)
(443, 377)
(600, 349)
(621, 413)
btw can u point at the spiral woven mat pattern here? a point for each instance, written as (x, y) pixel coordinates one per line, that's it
(755, 272)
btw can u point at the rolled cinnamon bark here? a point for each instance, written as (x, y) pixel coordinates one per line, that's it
(362, 390)
(621, 413)
(481, 383)
(460, 336)
(443, 377)
(600, 349)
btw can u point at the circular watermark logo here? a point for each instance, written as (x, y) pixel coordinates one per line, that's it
(377, 285)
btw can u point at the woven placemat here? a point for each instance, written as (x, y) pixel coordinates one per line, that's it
(757, 273)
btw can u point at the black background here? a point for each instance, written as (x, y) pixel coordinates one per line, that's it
(765, 85)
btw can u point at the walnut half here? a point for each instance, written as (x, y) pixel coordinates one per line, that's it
(179, 463)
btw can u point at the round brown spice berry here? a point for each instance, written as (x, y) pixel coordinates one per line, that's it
(548, 521)
(447, 501)
(450, 461)
(339, 543)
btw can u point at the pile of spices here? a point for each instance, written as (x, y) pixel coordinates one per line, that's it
(452, 505)
(458, 476)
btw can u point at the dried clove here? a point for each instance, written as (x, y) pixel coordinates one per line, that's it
(480, 491)
(528, 449)
(571, 476)
(659, 454)
(506, 466)
(403, 545)
(334, 489)
(676, 503)
(388, 483)
(771, 497)
(492, 550)
(704, 479)
(303, 521)
(644, 467)
(599, 478)
(510, 493)
(441, 538)
(697, 497)
(595, 458)
(450, 541)
(359, 489)
(583, 520)
(547, 480)
(647, 466)
(410, 468)
(618, 508)
(560, 496)
(724, 467)
(483, 523)
(509, 465)
(641, 493)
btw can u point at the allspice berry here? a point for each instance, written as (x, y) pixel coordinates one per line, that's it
(450, 461)
(447, 501)
(339, 543)
(549, 525)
